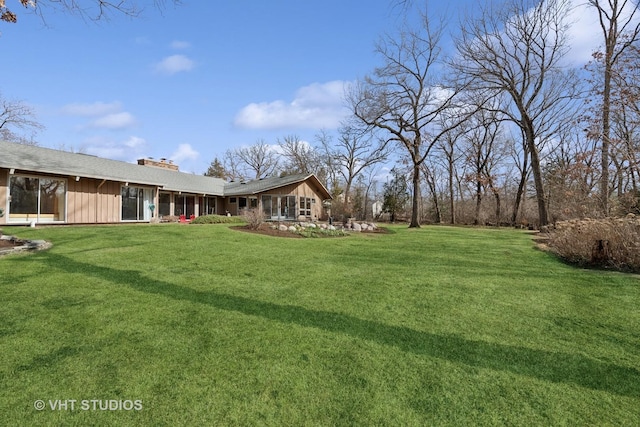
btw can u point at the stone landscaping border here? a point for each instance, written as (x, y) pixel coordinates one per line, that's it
(23, 245)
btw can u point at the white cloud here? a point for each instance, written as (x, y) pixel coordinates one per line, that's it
(174, 64)
(105, 115)
(319, 105)
(127, 150)
(94, 109)
(135, 142)
(178, 44)
(585, 34)
(184, 152)
(120, 120)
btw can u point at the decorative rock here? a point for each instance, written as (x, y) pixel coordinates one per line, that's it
(23, 245)
(283, 227)
(292, 229)
(356, 227)
(323, 226)
(332, 228)
(311, 225)
(364, 227)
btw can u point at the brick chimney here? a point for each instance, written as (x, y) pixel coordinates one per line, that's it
(162, 163)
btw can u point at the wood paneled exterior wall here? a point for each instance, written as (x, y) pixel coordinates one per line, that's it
(93, 201)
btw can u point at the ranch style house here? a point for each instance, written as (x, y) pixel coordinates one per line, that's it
(41, 185)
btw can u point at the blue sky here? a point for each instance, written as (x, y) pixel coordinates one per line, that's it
(197, 79)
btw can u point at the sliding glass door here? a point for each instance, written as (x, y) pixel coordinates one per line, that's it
(279, 208)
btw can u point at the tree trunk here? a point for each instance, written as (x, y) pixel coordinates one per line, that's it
(434, 196)
(452, 204)
(606, 130)
(537, 172)
(476, 221)
(521, 187)
(496, 195)
(415, 220)
(347, 199)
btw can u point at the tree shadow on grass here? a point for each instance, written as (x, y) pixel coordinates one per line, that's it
(544, 365)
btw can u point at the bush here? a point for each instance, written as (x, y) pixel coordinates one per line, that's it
(609, 242)
(254, 218)
(218, 219)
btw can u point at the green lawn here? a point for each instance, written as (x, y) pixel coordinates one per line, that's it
(205, 325)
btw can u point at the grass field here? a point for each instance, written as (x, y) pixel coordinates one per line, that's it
(205, 325)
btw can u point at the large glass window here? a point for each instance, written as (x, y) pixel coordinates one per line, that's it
(37, 199)
(305, 206)
(207, 205)
(185, 205)
(279, 207)
(266, 206)
(135, 203)
(164, 204)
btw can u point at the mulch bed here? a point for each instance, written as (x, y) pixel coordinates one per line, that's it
(8, 243)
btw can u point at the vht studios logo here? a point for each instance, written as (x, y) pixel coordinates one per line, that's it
(88, 405)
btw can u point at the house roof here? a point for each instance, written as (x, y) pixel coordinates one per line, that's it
(266, 184)
(56, 162)
(46, 160)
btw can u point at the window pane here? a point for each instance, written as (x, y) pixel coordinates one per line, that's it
(140, 204)
(129, 203)
(52, 200)
(164, 204)
(211, 205)
(291, 208)
(24, 198)
(190, 206)
(179, 207)
(266, 206)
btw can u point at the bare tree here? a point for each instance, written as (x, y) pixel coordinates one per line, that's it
(328, 168)
(620, 28)
(253, 162)
(481, 147)
(449, 156)
(300, 156)
(231, 165)
(93, 10)
(354, 152)
(516, 51)
(571, 176)
(405, 98)
(17, 115)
